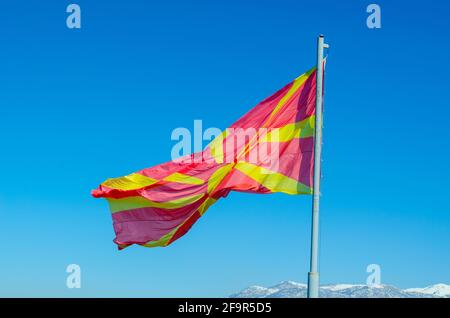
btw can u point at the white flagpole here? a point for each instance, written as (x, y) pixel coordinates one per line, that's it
(313, 275)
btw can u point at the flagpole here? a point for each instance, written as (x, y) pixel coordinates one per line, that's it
(313, 275)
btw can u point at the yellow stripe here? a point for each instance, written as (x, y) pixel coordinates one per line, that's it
(164, 240)
(183, 178)
(130, 182)
(295, 86)
(216, 146)
(274, 181)
(205, 205)
(117, 205)
(218, 176)
(301, 129)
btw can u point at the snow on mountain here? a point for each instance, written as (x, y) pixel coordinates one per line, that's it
(339, 287)
(257, 292)
(289, 284)
(290, 289)
(440, 290)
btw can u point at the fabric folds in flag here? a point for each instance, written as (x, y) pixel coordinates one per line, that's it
(270, 149)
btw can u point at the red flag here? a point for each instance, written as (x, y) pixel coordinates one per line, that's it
(269, 149)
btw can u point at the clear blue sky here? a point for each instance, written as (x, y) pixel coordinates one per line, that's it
(79, 106)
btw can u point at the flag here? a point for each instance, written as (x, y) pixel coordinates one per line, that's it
(268, 150)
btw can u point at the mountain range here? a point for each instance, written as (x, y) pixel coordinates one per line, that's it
(290, 289)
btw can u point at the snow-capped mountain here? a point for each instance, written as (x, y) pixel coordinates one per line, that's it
(290, 289)
(440, 290)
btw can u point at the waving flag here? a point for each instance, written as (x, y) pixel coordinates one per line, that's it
(270, 149)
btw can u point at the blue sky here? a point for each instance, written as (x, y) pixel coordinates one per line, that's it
(79, 106)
